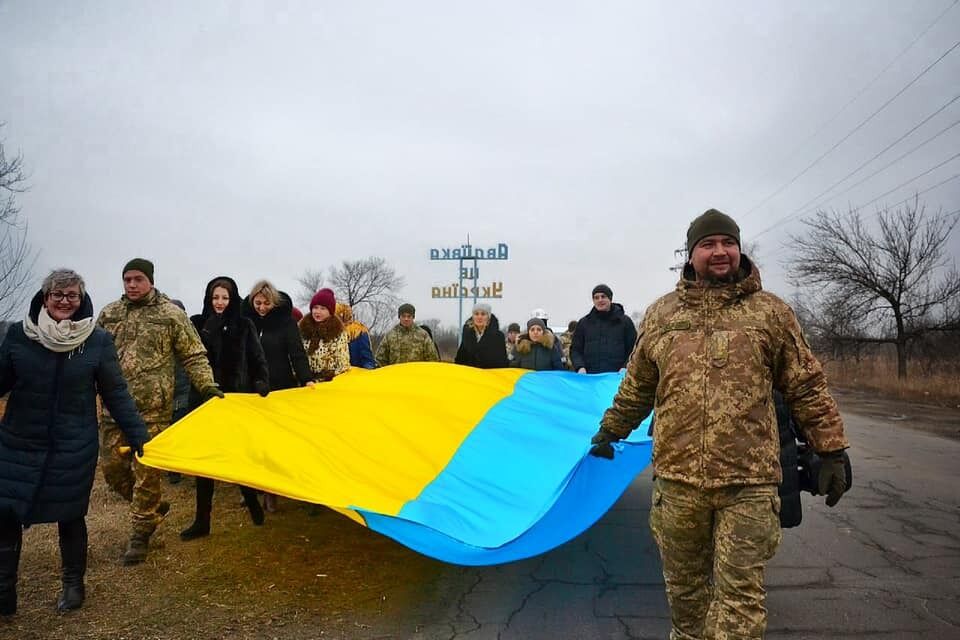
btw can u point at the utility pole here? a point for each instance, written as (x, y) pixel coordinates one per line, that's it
(680, 257)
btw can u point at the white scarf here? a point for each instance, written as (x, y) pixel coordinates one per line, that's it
(59, 337)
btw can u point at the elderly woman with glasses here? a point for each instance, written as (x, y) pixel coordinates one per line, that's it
(53, 364)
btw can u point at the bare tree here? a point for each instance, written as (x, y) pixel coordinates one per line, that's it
(16, 257)
(310, 282)
(369, 285)
(891, 284)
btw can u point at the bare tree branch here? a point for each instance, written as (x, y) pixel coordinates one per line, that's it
(16, 257)
(888, 285)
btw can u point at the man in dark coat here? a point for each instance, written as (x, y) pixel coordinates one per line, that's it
(54, 364)
(604, 337)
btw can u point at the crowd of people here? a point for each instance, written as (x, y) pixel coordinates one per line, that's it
(709, 356)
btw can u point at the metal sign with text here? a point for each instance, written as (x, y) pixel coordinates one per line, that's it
(467, 286)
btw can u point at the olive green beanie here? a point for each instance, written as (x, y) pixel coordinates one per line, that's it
(140, 264)
(711, 222)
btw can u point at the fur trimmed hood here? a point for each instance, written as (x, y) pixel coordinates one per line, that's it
(525, 344)
(317, 332)
(354, 328)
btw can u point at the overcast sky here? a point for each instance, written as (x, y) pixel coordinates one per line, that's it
(257, 141)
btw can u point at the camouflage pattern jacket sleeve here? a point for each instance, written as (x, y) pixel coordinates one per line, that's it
(707, 360)
(637, 392)
(800, 378)
(150, 336)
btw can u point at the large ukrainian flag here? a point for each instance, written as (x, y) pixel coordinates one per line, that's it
(466, 465)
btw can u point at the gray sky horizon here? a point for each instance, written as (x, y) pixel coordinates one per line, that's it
(254, 140)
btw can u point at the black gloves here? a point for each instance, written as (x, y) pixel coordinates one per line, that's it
(262, 388)
(832, 479)
(211, 391)
(325, 376)
(602, 444)
(137, 447)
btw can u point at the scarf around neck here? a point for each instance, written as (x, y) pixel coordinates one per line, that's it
(58, 337)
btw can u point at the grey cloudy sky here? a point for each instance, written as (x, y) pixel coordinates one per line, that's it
(262, 139)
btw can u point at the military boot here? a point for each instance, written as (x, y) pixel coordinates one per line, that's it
(136, 549)
(73, 556)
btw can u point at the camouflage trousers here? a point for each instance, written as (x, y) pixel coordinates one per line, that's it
(136, 482)
(714, 544)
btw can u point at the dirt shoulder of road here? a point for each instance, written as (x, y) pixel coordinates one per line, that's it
(929, 418)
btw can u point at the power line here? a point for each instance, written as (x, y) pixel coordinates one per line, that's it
(806, 204)
(886, 193)
(855, 129)
(862, 90)
(898, 159)
(903, 184)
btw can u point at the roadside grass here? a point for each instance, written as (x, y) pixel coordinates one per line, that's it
(925, 383)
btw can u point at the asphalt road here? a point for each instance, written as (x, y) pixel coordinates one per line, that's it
(885, 563)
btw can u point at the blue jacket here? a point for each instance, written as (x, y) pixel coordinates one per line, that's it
(361, 355)
(49, 431)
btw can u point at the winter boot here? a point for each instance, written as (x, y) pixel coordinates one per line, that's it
(253, 505)
(136, 549)
(73, 555)
(199, 528)
(10, 543)
(201, 523)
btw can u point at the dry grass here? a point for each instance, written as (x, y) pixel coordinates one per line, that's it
(298, 576)
(926, 384)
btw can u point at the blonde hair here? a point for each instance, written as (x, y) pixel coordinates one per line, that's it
(267, 290)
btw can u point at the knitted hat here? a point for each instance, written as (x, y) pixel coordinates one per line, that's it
(482, 306)
(514, 326)
(406, 307)
(710, 223)
(324, 298)
(140, 264)
(535, 322)
(604, 289)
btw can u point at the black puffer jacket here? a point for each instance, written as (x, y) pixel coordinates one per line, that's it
(489, 352)
(233, 349)
(280, 339)
(602, 342)
(791, 509)
(49, 432)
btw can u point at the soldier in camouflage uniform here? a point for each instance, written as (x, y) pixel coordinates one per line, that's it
(706, 359)
(151, 336)
(406, 342)
(566, 339)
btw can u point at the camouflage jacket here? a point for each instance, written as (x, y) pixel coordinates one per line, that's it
(566, 339)
(151, 336)
(707, 361)
(406, 345)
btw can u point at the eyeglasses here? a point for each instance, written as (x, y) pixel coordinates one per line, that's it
(58, 296)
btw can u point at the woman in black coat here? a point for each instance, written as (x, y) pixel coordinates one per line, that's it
(239, 366)
(54, 364)
(482, 344)
(271, 313)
